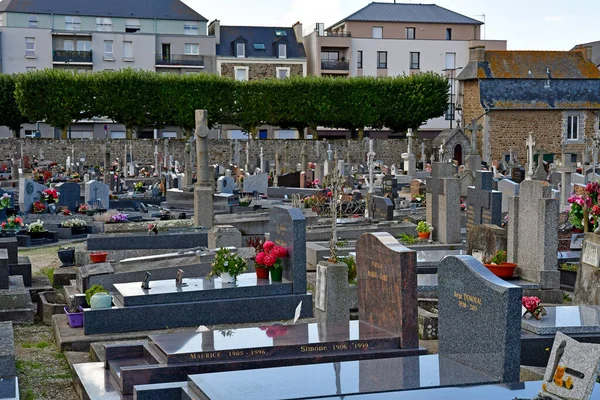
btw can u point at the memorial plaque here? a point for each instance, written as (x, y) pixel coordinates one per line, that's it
(479, 318)
(387, 286)
(590, 254)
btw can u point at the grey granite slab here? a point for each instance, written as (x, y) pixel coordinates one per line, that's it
(7, 351)
(565, 319)
(16, 296)
(336, 379)
(199, 289)
(164, 240)
(212, 312)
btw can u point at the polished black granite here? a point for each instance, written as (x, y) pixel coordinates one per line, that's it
(340, 378)
(9, 388)
(273, 341)
(526, 390)
(198, 289)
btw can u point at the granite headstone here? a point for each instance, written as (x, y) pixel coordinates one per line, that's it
(258, 183)
(70, 195)
(508, 189)
(484, 205)
(383, 208)
(29, 192)
(225, 184)
(97, 193)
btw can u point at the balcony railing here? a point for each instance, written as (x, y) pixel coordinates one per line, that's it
(180, 59)
(335, 65)
(337, 34)
(69, 56)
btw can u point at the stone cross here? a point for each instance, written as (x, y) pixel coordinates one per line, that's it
(443, 203)
(530, 143)
(262, 160)
(203, 191)
(412, 167)
(335, 181)
(246, 167)
(474, 128)
(166, 153)
(540, 172)
(441, 153)
(371, 163)
(156, 167)
(423, 159)
(329, 152)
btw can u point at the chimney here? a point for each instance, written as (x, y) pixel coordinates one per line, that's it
(587, 53)
(477, 54)
(298, 31)
(214, 29)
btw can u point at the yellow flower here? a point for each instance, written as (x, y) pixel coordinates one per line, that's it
(558, 382)
(569, 383)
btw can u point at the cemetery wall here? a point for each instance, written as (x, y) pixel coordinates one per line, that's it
(221, 151)
(509, 130)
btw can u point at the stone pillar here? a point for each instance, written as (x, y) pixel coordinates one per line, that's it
(203, 190)
(107, 176)
(188, 165)
(224, 236)
(331, 301)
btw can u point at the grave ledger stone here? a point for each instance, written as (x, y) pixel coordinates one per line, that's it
(479, 318)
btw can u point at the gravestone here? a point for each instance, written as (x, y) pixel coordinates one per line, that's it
(577, 179)
(289, 180)
(417, 188)
(96, 191)
(554, 178)
(256, 183)
(70, 195)
(484, 240)
(572, 369)
(383, 208)
(587, 285)
(532, 241)
(287, 227)
(518, 175)
(4, 269)
(225, 185)
(29, 192)
(508, 189)
(484, 204)
(479, 318)
(443, 203)
(390, 186)
(384, 266)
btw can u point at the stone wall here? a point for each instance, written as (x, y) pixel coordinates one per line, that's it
(221, 151)
(261, 70)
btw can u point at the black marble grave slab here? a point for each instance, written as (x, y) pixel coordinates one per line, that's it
(164, 240)
(9, 388)
(4, 269)
(336, 379)
(10, 244)
(213, 312)
(162, 292)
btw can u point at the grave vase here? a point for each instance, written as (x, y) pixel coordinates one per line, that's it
(75, 319)
(101, 300)
(262, 273)
(424, 235)
(276, 274)
(226, 278)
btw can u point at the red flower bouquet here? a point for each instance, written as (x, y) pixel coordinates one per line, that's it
(533, 307)
(271, 256)
(50, 195)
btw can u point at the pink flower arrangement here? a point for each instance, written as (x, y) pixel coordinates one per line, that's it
(275, 330)
(271, 256)
(533, 307)
(50, 194)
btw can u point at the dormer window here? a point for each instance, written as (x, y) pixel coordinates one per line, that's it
(282, 50)
(280, 32)
(240, 49)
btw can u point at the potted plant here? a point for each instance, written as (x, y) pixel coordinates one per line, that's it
(98, 297)
(36, 230)
(568, 274)
(498, 266)
(98, 256)
(38, 207)
(272, 257)
(139, 187)
(533, 307)
(262, 271)
(423, 230)
(12, 225)
(117, 219)
(227, 265)
(4, 205)
(83, 209)
(66, 256)
(77, 225)
(245, 201)
(50, 196)
(74, 316)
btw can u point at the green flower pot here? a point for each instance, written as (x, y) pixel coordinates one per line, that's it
(276, 274)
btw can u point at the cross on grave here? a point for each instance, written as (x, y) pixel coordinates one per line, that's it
(443, 195)
(540, 172)
(484, 204)
(530, 143)
(474, 128)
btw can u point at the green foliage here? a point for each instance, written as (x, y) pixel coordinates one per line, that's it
(408, 239)
(569, 267)
(567, 298)
(48, 271)
(351, 263)
(139, 99)
(92, 291)
(423, 227)
(498, 258)
(10, 116)
(226, 261)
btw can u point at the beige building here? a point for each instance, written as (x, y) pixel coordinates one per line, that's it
(554, 94)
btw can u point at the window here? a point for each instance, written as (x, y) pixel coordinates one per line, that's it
(33, 21)
(104, 24)
(283, 72)
(108, 50)
(241, 73)
(259, 46)
(448, 33)
(127, 51)
(282, 50)
(359, 59)
(378, 32)
(30, 69)
(410, 33)
(382, 59)
(1, 20)
(192, 49)
(573, 127)
(450, 112)
(190, 28)
(415, 60)
(72, 23)
(29, 47)
(68, 45)
(450, 61)
(132, 25)
(280, 32)
(240, 49)
(330, 56)
(84, 45)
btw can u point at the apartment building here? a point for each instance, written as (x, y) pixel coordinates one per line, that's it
(389, 39)
(93, 35)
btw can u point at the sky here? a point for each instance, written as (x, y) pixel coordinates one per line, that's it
(525, 24)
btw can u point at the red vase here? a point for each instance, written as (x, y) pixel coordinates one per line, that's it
(262, 273)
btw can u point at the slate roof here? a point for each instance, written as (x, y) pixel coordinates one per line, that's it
(539, 94)
(402, 12)
(447, 134)
(508, 64)
(259, 35)
(159, 9)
